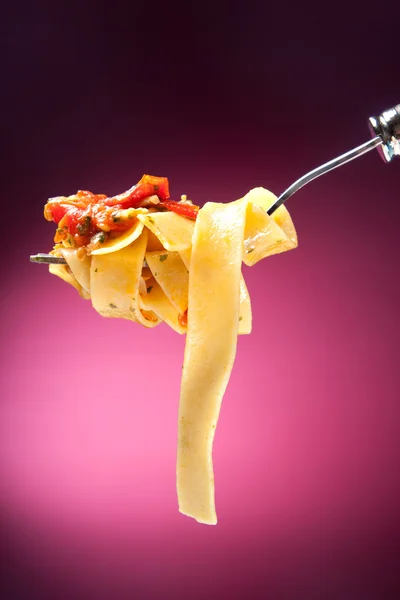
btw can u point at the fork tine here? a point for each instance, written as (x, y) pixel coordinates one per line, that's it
(48, 259)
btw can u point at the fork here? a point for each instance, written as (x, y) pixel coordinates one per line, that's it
(385, 131)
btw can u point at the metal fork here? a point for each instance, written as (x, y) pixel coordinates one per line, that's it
(385, 131)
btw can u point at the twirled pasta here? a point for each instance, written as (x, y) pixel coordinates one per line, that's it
(186, 273)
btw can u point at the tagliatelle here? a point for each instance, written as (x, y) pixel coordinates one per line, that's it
(222, 233)
(191, 280)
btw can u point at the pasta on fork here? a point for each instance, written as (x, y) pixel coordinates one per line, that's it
(142, 257)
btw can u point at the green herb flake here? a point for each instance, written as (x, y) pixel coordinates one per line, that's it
(240, 318)
(84, 226)
(149, 289)
(111, 305)
(95, 270)
(102, 238)
(156, 188)
(151, 220)
(250, 250)
(155, 274)
(163, 257)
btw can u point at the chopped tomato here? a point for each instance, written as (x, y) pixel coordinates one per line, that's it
(147, 186)
(106, 218)
(85, 214)
(186, 210)
(54, 211)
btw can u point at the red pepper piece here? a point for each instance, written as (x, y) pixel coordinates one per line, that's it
(147, 186)
(186, 210)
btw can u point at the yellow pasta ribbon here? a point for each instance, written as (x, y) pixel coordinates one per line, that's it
(191, 280)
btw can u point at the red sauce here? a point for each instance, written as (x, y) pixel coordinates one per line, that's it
(86, 214)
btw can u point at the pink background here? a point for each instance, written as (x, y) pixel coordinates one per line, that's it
(306, 453)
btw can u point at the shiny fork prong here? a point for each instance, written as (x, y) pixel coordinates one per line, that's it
(47, 259)
(50, 259)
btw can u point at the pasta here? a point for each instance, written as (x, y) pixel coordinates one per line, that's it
(180, 265)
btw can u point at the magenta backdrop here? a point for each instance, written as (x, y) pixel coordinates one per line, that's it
(306, 454)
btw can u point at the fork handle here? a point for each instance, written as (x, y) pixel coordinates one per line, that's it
(385, 131)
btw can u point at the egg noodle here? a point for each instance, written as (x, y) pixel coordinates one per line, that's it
(187, 273)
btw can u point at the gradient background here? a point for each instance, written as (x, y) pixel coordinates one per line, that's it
(306, 453)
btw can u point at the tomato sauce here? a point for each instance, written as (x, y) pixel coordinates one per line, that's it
(82, 216)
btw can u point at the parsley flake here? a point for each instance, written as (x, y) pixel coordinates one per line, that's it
(112, 305)
(163, 257)
(83, 227)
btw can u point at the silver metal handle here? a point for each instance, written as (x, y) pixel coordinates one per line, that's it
(387, 126)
